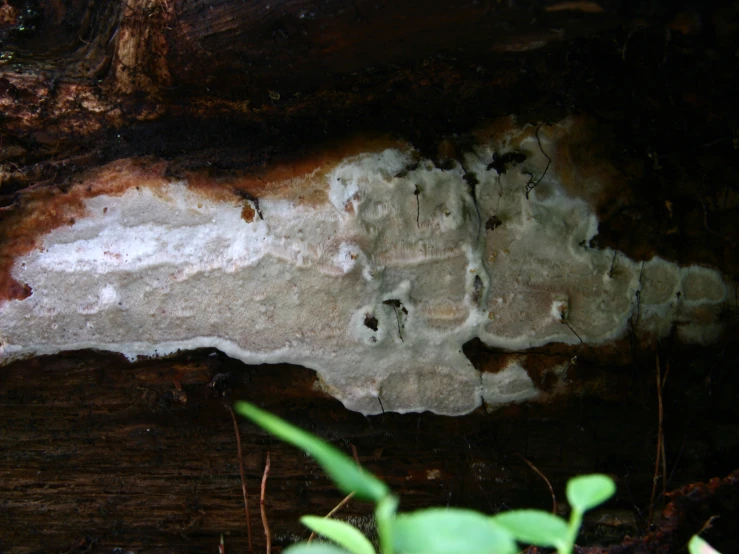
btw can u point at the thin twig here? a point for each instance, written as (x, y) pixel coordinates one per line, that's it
(613, 263)
(417, 193)
(355, 454)
(540, 474)
(662, 432)
(705, 223)
(531, 185)
(638, 298)
(708, 524)
(397, 318)
(660, 442)
(243, 480)
(571, 329)
(338, 507)
(261, 507)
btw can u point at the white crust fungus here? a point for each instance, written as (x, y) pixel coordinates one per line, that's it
(376, 288)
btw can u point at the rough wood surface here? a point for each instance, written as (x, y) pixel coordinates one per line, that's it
(97, 454)
(224, 86)
(143, 457)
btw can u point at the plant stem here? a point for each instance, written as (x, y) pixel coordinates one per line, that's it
(574, 525)
(384, 516)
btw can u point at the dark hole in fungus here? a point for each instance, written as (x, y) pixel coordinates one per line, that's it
(477, 290)
(493, 223)
(251, 198)
(503, 163)
(471, 179)
(417, 192)
(403, 172)
(370, 321)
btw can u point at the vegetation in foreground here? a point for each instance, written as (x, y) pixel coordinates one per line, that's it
(434, 530)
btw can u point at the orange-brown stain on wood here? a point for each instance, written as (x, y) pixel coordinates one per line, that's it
(583, 153)
(247, 212)
(197, 372)
(504, 127)
(302, 180)
(539, 369)
(41, 210)
(582, 6)
(585, 158)
(495, 363)
(38, 211)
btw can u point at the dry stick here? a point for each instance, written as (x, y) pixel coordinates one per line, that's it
(660, 443)
(243, 481)
(705, 222)
(261, 506)
(708, 524)
(540, 474)
(355, 454)
(338, 507)
(664, 458)
(531, 185)
(573, 331)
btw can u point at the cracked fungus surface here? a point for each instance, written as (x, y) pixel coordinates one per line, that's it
(376, 283)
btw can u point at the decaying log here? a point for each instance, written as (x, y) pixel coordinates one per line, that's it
(100, 453)
(625, 109)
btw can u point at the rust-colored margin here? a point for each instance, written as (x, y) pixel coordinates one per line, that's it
(40, 210)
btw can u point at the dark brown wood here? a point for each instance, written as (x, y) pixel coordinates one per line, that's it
(228, 85)
(143, 457)
(98, 454)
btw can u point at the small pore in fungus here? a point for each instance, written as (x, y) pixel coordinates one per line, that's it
(250, 199)
(502, 163)
(477, 290)
(370, 321)
(396, 304)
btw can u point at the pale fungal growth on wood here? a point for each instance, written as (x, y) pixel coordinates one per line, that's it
(374, 270)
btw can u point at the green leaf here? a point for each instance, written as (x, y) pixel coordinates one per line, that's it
(340, 532)
(347, 475)
(589, 491)
(385, 519)
(534, 527)
(314, 548)
(698, 546)
(450, 531)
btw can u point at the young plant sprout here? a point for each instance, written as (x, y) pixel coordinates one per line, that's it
(432, 530)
